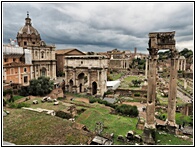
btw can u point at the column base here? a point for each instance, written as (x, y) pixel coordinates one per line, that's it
(148, 136)
(66, 88)
(171, 127)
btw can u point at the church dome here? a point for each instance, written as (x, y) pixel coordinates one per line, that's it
(28, 35)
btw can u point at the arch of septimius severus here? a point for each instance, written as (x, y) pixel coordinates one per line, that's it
(86, 74)
(158, 41)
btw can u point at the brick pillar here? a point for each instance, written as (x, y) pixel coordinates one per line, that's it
(170, 122)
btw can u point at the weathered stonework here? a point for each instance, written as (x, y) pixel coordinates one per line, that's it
(86, 74)
(43, 56)
(160, 40)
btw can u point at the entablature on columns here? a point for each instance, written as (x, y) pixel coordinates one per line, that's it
(162, 40)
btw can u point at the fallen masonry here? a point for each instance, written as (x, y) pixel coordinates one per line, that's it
(48, 112)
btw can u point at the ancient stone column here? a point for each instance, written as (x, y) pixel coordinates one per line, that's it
(184, 65)
(66, 80)
(146, 69)
(149, 130)
(74, 81)
(181, 61)
(170, 122)
(89, 82)
(98, 83)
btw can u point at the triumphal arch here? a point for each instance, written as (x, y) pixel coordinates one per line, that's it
(86, 74)
(158, 41)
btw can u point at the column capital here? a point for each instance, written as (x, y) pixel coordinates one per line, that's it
(174, 54)
(153, 52)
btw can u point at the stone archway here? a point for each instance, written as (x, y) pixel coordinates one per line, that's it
(71, 86)
(94, 88)
(81, 77)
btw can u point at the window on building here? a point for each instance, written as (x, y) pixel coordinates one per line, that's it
(25, 69)
(25, 79)
(33, 42)
(42, 54)
(81, 62)
(25, 43)
(12, 71)
(36, 53)
(14, 59)
(47, 54)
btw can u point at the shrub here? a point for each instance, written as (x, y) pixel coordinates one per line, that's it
(19, 105)
(81, 110)
(127, 110)
(8, 91)
(60, 98)
(137, 94)
(23, 91)
(63, 115)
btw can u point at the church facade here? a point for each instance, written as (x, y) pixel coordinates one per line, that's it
(43, 56)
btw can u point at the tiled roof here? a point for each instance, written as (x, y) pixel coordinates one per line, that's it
(64, 51)
(15, 64)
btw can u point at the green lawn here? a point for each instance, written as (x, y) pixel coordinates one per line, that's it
(116, 76)
(119, 125)
(17, 97)
(24, 127)
(128, 80)
(169, 139)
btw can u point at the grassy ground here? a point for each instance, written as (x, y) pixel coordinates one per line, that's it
(24, 127)
(169, 139)
(116, 124)
(128, 80)
(116, 76)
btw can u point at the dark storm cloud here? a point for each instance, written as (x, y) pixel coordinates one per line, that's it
(104, 26)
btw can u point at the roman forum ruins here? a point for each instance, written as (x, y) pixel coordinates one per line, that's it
(158, 41)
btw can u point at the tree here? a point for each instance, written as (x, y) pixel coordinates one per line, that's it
(136, 82)
(41, 86)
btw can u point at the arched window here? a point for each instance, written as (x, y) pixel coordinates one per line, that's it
(35, 53)
(42, 54)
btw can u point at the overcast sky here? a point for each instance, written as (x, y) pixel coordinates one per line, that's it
(101, 26)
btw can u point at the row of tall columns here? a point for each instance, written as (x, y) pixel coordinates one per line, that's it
(182, 65)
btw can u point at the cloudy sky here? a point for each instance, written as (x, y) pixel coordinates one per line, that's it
(101, 26)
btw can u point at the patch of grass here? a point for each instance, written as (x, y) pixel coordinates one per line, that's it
(119, 125)
(180, 118)
(24, 127)
(125, 83)
(169, 139)
(17, 97)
